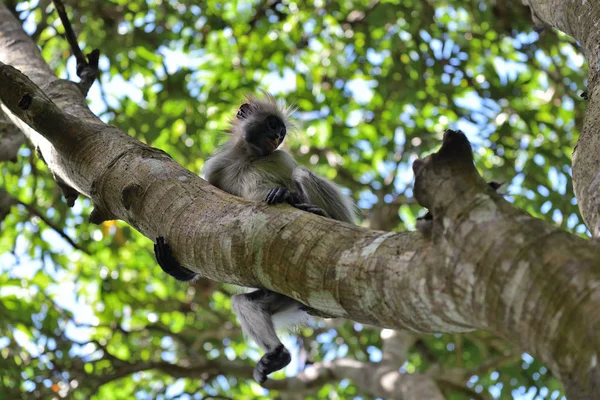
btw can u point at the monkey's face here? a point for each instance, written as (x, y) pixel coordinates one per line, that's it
(263, 131)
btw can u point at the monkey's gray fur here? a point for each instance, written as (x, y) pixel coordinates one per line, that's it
(250, 166)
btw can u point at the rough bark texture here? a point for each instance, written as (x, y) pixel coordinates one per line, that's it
(487, 266)
(581, 19)
(529, 276)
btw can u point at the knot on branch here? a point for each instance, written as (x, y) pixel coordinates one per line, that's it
(67, 191)
(25, 101)
(30, 104)
(19, 93)
(130, 195)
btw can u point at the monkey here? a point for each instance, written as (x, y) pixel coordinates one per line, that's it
(251, 166)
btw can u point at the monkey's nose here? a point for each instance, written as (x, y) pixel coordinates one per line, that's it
(275, 126)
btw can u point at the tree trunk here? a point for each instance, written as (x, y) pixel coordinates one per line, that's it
(581, 19)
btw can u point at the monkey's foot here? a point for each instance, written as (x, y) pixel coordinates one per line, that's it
(279, 195)
(272, 361)
(311, 208)
(168, 263)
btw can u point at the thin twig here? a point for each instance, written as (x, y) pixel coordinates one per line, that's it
(87, 67)
(69, 33)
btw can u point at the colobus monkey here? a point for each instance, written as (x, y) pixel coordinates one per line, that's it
(250, 166)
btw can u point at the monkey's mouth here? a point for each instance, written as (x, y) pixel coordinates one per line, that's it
(273, 144)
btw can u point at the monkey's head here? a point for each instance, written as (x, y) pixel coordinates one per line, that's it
(261, 125)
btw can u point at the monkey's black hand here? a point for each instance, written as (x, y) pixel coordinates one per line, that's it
(311, 208)
(279, 195)
(168, 263)
(272, 361)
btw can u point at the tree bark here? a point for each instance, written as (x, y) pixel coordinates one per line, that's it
(581, 20)
(486, 266)
(529, 276)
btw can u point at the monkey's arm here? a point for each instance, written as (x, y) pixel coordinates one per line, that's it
(168, 262)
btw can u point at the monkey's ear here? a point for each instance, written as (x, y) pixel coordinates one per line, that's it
(244, 111)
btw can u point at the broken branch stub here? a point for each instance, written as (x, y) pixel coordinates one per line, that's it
(448, 175)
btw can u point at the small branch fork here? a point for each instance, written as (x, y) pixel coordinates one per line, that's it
(87, 67)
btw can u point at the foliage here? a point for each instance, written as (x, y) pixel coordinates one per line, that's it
(376, 83)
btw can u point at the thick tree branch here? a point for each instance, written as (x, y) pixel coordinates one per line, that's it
(536, 275)
(159, 197)
(368, 377)
(489, 265)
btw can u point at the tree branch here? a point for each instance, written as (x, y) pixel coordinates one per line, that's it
(488, 265)
(538, 269)
(87, 67)
(370, 378)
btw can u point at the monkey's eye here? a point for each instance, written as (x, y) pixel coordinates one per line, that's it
(244, 111)
(272, 123)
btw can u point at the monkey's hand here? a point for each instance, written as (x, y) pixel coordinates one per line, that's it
(168, 263)
(280, 195)
(311, 208)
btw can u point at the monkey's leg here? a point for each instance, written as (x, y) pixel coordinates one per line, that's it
(255, 312)
(279, 195)
(168, 263)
